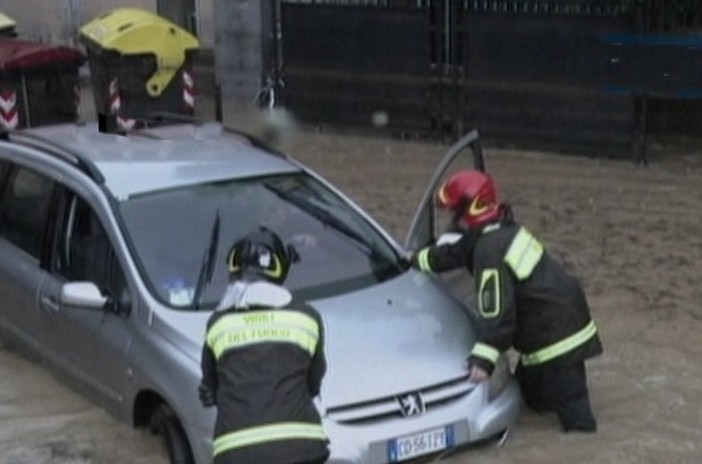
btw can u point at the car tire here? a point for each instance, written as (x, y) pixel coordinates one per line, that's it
(164, 422)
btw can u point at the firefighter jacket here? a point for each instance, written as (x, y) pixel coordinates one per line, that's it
(524, 297)
(264, 365)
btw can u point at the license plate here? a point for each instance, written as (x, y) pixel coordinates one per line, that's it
(418, 444)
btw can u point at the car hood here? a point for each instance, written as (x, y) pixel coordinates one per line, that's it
(403, 335)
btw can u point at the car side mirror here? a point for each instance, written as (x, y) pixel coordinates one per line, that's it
(83, 295)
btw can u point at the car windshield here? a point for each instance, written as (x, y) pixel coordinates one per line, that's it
(175, 233)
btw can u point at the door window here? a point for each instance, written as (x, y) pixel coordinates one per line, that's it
(25, 208)
(429, 222)
(85, 252)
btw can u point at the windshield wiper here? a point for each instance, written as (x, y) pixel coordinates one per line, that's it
(326, 217)
(208, 263)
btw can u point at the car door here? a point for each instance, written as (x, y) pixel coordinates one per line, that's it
(430, 224)
(91, 343)
(25, 206)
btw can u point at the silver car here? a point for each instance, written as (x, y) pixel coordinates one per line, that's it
(112, 256)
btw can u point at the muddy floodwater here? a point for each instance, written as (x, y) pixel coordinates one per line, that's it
(632, 234)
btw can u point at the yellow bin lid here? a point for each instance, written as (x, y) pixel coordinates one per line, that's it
(6, 22)
(132, 31)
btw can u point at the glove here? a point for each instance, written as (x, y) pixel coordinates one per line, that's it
(478, 370)
(477, 374)
(206, 397)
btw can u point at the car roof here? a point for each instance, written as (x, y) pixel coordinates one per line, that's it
(166, 157)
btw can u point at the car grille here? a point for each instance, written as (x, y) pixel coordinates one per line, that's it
(389, 407)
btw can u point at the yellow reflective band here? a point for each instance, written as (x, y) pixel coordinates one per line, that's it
(423, 260)
(232, 259)
(489, 302)
(475, 208)
(241, 329)
(277, 270)
(485, 351)
(562, 347)
(249, 318)
(524, 254)
(268, 433)
(443, 199)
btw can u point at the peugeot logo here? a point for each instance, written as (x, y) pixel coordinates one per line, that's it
(412, 404)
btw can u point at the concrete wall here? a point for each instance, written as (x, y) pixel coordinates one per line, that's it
(238, 49)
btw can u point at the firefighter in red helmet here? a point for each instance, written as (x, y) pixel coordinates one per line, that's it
(524, 297)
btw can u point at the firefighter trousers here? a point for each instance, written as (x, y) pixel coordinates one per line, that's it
(561, 389)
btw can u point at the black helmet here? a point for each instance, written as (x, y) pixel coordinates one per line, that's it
(259, 254)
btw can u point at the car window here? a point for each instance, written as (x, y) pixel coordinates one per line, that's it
(337, 249)
(84, 251)
(25, 208)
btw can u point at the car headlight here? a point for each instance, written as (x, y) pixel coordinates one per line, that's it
(499, 379)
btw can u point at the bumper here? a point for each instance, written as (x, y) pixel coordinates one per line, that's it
(472, 417)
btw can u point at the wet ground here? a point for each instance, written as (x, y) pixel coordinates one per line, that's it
(632, 234)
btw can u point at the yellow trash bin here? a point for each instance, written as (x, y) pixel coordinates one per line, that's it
(7, 26)
(140, 64)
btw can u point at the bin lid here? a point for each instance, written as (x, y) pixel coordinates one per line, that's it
(19, 54)
(132, 31)
(6, 22)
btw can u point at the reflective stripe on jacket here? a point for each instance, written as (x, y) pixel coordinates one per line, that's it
(243, 329)
(267, 433)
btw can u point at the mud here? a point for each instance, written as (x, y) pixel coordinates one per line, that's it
(633, 235)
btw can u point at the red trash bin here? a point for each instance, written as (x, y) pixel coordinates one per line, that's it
(39, 83)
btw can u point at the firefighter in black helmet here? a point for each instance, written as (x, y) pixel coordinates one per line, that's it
(263, 362)
(525, 300)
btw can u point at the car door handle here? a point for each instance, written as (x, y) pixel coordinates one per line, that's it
(49, 303)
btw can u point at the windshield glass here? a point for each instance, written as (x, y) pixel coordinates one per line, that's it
(172, 233)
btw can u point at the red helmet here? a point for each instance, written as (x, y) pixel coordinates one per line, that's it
(472, 196)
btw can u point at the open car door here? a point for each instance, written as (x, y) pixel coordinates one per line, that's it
(430, 224)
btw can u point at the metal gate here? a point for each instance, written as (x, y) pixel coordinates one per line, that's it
(535, 73)
(184, 13)
(347, 65)
(524, 71)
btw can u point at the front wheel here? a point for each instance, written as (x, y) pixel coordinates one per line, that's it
(164, 422)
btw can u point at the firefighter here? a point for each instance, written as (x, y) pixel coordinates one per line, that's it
(524, 297)
(263, 362)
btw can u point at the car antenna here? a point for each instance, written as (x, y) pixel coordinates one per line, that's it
(208, 262)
